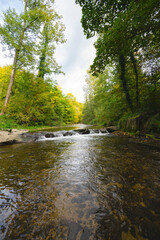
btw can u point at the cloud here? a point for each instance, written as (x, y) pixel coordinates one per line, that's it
(4, 59)
(77, 54)
(73, 83)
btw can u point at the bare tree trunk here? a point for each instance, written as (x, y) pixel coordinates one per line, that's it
(10, 85)
(124, 83)
(137, 83)
(42, 69)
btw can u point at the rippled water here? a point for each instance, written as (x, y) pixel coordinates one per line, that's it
(96, 187)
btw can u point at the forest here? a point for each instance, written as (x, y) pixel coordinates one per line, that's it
(29, 96)
(122, 85)
(36, 102)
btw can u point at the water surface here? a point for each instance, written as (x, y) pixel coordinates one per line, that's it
(92, 187)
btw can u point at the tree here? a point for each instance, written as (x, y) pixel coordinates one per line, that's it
(124, 28)
(37, 101)
(104, 103)
(76, 108)
(5, 74)
(52, 32)
(20, 31)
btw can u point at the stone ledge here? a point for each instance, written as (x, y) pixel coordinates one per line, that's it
(10, 137)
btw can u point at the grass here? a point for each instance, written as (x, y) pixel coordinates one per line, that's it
(7, 124)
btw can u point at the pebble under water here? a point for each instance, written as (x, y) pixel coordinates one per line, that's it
(90, 187)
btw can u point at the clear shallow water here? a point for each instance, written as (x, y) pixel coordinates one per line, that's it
(90, 187)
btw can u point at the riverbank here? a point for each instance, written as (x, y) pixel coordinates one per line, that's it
(145, 139)
(11, 136)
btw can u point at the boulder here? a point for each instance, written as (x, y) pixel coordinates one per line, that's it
(82, 131)
(112, 129)
(49, 135)
(95, 130)
(103, 130)
(10, 137)
(68, 133)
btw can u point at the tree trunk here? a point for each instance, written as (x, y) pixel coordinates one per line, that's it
(137, 83)
(124, 83)
(14, 67)
(10, 84)
(42, 69)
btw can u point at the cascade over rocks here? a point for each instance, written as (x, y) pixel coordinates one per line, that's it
(83, 131)
(24, 136)
(49, 135)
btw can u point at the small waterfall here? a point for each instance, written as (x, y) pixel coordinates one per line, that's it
(60, 134)
(41, 136)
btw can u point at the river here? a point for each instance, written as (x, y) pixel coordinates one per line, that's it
(82, 187)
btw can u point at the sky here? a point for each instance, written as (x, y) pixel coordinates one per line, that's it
(75, 56)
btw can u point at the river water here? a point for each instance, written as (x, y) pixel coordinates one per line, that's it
(83, 187)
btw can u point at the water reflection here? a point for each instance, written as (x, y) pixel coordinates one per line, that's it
(86, 188)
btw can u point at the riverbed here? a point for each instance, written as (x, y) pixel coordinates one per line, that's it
(82, 187)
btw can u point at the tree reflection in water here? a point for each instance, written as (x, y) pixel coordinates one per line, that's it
(88, 187)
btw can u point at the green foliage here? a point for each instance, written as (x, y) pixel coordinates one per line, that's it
(31, 36)
(36, 101)
(154, 124)
(7, 123)
(5, 73)
(128, 39)
(19, 32)
(28, 34)
(51, 34)
(105, 102)
(76, 108)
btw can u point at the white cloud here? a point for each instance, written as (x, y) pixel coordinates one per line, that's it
(4, 60)
(77, 54)
(75, 69)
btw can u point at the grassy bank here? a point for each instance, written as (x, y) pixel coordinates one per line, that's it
(7, 123)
